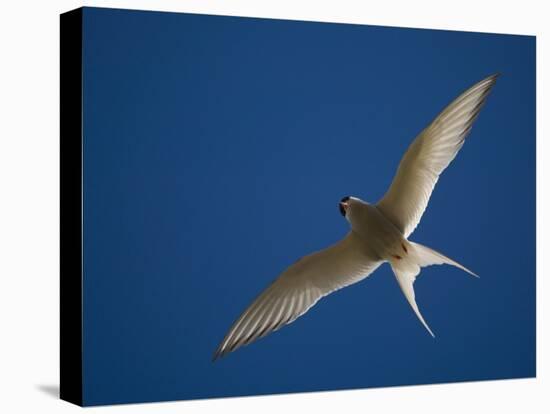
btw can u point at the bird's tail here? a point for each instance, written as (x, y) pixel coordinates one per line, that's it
(424, 256)
(406, 269)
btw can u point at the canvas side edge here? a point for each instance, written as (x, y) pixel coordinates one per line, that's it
(71, 207)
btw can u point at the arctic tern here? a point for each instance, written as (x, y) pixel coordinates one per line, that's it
(379, 232)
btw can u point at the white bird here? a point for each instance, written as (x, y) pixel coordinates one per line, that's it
(379, 232)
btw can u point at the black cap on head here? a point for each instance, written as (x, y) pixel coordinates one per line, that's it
(341, 206)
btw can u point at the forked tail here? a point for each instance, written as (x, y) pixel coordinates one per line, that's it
(407, 268)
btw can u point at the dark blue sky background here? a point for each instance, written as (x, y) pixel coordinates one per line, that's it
(215, 152)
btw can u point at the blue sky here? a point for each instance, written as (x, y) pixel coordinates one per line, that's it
(216, 150)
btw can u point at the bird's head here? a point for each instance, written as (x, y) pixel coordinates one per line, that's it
(348, 205)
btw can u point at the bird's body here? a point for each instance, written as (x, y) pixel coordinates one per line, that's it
(379, 232)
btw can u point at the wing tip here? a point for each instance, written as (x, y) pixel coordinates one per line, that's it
(491, 79)
(218, 354)
(484, 85)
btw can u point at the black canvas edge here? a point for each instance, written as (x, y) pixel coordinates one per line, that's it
(70, 110)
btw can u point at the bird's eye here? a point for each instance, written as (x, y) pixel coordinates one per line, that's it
(345, 199)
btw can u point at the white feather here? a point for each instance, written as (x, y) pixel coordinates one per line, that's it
(427, 157)
(298, 288)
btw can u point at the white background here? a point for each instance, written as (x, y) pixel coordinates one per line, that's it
(29, 205)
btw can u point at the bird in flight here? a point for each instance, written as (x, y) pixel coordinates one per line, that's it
(379, 232)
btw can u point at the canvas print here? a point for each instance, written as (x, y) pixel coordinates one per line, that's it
(260, 206)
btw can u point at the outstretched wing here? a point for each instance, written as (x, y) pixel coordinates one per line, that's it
(298, 288)
(427, 157)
